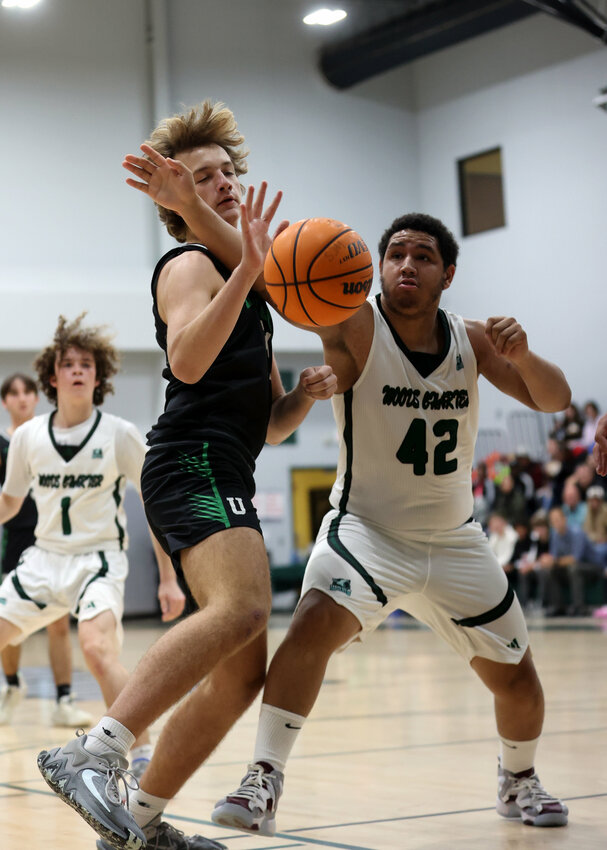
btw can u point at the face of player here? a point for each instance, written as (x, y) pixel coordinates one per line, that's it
(215, 179)
(75, 375)
(20, 402)
(413, 276)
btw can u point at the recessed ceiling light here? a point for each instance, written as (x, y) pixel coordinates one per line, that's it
(20, 4)
(324, 17)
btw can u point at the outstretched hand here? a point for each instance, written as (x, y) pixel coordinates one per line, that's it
(166, 181)
(254, 225)
(507, 337)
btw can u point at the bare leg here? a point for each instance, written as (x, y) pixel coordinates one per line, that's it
(318, 628)
(213, 708)
(518, 696)
(101, 650)
(11, 656)
(60, 650)
(229, 577)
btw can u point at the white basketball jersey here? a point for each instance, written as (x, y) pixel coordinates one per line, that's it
(80, 501)
(407, 442)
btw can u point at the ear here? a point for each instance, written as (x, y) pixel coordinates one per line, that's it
(53, 380)
(448, 276)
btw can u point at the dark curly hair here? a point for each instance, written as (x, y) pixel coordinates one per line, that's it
(75, 335)
(447, 245)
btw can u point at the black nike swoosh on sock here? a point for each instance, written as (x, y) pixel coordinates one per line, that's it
(288, 725)
(108, 733)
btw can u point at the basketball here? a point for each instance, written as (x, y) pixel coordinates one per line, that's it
(318, 272)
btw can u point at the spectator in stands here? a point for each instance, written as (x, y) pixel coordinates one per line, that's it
(534, 563)
(524, 481)
(559, 467)
(532, 468)
(510, 500)
(574, 507)
(568, 428)
(595, 524)
(591, 419)
(572, 562)
(483, 490)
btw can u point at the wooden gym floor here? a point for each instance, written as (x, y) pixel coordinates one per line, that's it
(399, 752)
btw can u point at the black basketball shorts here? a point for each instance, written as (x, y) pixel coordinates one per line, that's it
(192, 491)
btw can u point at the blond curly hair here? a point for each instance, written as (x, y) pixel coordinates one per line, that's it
(206, 124)
(74, 335)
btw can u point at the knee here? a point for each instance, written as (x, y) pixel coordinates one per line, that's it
(522, 683)
(248, 619)
(98, 653)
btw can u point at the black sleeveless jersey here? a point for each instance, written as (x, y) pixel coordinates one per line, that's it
(231, 403)
(27, 517)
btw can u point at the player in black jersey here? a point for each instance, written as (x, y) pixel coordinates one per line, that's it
(19, 396)
(224, 399)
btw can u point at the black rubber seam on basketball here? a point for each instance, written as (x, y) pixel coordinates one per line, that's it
(301, 304)
(488, 616)
(338, 547)
(278, 266)
(324, 248)
(329, 277)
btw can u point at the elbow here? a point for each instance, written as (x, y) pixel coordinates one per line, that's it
(273, 437)
(185, 371)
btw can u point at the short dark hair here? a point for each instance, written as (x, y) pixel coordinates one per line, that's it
(447, 245)
(7, 384)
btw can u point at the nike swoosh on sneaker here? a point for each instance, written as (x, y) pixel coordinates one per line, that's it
(88, 776)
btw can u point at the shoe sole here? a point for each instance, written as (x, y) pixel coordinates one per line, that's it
(511, 812)
(234, 816)
(131, 842)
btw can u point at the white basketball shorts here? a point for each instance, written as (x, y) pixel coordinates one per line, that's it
(449, 580)
(45, 585)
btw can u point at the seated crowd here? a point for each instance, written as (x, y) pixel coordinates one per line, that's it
(547, 522)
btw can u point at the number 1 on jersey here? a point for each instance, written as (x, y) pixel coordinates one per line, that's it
(65, 515)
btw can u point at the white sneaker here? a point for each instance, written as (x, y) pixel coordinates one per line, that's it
(67, 713)
(252, 807)
(10, 697)
(521, 795)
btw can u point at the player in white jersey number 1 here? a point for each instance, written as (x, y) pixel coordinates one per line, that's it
(401, 535)
(76, 461)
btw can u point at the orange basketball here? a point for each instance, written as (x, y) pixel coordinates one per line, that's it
(318, 272)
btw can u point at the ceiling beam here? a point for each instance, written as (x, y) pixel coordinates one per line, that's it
(413, 35)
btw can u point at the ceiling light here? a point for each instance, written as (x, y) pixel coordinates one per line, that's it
(20, 4)
(324, 17)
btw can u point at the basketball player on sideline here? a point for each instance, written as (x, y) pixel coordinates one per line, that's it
(76, 461)
(224, 400)
(408, 370)
(19, 396)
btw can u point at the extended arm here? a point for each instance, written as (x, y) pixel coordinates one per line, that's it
(504, 358)
(290, 409)
(170, 184)
(200, 310)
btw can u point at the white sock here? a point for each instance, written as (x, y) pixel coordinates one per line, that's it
(145, 751)
(144, 807)
(276, 734)
(109, 736)
(516, 756)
